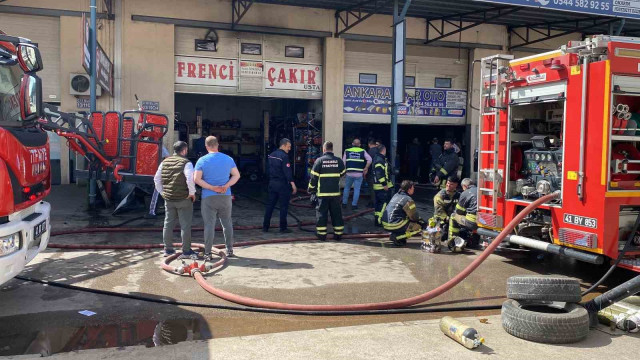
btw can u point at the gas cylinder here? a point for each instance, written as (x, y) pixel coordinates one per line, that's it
(464, 335)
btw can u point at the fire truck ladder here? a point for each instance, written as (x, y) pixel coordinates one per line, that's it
(491, 103)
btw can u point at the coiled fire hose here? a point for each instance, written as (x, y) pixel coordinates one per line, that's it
(302, 309)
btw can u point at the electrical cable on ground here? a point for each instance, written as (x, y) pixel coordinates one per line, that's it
(257, 310)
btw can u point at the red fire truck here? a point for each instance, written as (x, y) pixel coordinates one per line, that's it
(117, 146)
(24, 158)
(565, 121)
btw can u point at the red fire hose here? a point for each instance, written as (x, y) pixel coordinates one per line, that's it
(196, 271)
(382, 305)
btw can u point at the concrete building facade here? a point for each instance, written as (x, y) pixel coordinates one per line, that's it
(280, 60)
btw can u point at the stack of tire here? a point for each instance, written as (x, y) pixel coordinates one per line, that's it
(545, 309)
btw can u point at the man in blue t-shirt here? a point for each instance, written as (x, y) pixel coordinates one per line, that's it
(216, 173)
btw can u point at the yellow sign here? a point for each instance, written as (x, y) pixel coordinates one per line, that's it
(572, 175)
(575, 70)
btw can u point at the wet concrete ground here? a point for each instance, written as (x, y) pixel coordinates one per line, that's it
(308, 273)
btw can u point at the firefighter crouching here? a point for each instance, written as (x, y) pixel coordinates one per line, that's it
(324, 187)
(444, 203)
(401, 217)
(464, 215)
(445, 165)
(382, 185)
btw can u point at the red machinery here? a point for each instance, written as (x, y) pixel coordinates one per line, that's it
(118, 146)
(573, 113)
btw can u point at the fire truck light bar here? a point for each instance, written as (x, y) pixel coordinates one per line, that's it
(578, 238)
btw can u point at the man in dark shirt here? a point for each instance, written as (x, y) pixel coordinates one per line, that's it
(373, 150)
(281, 185)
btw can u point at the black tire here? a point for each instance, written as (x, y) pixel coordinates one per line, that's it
(544, 288)
(564, 323)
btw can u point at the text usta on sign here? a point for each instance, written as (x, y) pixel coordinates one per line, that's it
(281, 76)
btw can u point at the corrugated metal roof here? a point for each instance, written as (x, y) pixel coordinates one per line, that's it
(472, 11)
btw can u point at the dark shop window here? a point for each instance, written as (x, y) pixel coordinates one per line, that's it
(251, 49)
(294, 51)
(410, 81)
(443, 83)
(370, 79)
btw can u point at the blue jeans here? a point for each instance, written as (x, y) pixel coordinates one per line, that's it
(356, 182)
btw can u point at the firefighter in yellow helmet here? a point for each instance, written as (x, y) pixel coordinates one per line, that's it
(401, 216)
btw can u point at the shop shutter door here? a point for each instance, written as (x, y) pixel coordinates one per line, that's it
(366, 57)
(45, 31)
(425, 68)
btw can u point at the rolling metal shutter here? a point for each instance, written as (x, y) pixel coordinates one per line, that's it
(45, 31)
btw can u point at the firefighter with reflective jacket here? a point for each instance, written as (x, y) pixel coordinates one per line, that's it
(401, 215)
(445, 201)
(382, 185)
(445, 165)
(465, 212)
(324, 187)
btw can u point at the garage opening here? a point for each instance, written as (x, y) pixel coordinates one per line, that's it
(414, 159)
(249, 128)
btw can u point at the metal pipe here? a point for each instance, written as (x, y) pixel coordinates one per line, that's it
(394, 107)
(470, 83)
(93, 45)
(614, 295)
(547, 247)
(92, 87)
(583, 121)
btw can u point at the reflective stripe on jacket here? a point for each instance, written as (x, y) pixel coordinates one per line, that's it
(468, 203)
(381, 176)
(400, 210)
(444, 203)
(446, 164)
(325, 176)
(356, 160)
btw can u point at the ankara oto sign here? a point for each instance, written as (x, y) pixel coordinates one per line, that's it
(365, 99)
(615, 8)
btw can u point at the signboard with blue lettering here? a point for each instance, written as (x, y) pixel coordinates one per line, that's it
(439, 102)
(366, 99)
(615, 8)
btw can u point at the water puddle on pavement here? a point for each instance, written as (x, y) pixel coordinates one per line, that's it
(146, 333)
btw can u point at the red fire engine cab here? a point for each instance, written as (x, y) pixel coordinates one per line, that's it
(565, 121)
(24, 158)
(117, 146)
